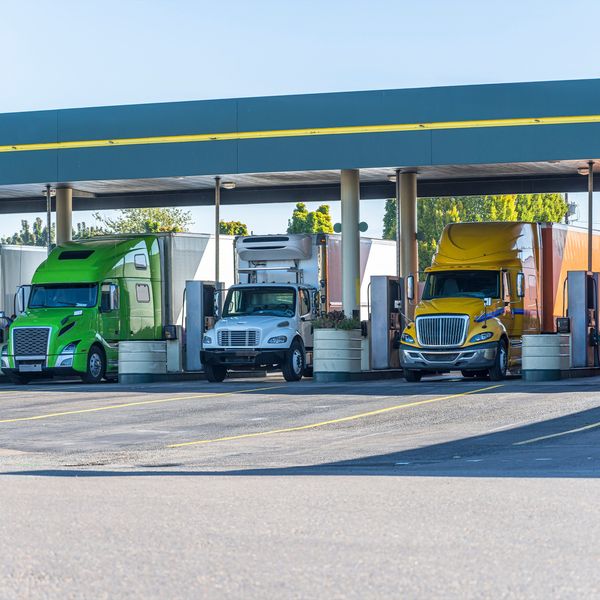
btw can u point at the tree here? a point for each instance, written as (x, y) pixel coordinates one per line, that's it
(146, 220)
(34, 235)
(233, 228)
(433, 214)
(303, 221)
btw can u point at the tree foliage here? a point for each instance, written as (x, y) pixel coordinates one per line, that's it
(146, 220)
(233, 228)
(303, 221)
(36, 234)
(433, 214)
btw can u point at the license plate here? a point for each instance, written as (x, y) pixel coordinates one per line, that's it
(34, 368)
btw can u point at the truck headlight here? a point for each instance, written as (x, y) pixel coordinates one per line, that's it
(5, 350)
(278, 339)
(481, 337)
(69, 348)
(409, 339)
(207, 339)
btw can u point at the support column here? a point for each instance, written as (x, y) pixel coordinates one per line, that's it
(350, 197)
(64, 215)
(406, 198)
(590, 239)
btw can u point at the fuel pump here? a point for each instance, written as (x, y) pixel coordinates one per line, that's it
(386, 323)
(582, 297)
(200, 313)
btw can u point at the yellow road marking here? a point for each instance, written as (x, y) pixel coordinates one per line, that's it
(303, 132)
(332, 421)
(140, 403)
(555, 435)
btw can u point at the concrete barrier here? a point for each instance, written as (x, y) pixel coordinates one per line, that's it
(142, 361)
(546, 356)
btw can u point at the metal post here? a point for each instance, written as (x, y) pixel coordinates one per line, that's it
(49, 217)
(398, 252)
(590, 239)
(350, 197)
(217, 229)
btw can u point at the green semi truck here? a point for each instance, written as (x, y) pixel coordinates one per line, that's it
(88, 296)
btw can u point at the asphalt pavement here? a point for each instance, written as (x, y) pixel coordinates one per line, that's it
(259, 488)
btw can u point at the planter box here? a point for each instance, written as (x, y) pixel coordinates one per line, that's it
(337, 354)
(545, 356)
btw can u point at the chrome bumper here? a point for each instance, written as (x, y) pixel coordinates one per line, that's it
(420, 359)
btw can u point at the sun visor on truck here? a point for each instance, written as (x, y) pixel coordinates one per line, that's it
(274, 247)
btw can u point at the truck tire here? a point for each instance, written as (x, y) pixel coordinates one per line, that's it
(18, 378)
(215, 373)
(295, 362)
(96, 365)
(498, 371)
(412, 376)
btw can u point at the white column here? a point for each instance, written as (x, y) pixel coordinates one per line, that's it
(350, 197)
(64, 215)
(407, 231)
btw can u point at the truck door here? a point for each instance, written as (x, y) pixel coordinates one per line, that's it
(110, 314)
(305, 313)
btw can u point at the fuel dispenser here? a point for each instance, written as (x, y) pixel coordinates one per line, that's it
(582, 296)
(385, 321)
(200, 314)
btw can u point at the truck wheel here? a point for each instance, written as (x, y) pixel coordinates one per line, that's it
(96, 365)
(18, 379)
(215, 373)
(294, 364)
(498, 371)
(412, 376)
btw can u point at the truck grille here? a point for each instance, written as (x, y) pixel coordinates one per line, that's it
(239, 338)
(442, 331)
(30, 341)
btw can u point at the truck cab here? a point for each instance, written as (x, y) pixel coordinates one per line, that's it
(262, 326)
(84, 299)
(481, 294)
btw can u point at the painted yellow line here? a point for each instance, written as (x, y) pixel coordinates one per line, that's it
(371, 413)
(304, 132)
(555, 435)
(140, 403)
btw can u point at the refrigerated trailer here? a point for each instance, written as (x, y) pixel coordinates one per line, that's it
(489, 284)
(283, 283)
(90, 295)
(17, 266)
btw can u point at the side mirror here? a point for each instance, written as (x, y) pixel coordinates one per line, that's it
(410, 287)
(521, 285)
(22, 298)
(487, 301)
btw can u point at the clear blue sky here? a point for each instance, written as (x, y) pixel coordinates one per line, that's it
(73, 53)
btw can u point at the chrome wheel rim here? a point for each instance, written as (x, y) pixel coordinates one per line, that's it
(297, 361)
(95, 365)
(503, 359)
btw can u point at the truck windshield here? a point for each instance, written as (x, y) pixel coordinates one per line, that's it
(57, 295)
(462, 284)
(272, 301)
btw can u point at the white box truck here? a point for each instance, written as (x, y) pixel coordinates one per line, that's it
(284, 282)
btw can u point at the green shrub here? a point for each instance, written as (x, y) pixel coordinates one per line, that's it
(336, 320)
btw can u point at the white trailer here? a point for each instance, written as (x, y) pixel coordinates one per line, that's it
(17, 266)
(284, 282)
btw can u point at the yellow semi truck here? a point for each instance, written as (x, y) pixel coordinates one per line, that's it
(488, 285)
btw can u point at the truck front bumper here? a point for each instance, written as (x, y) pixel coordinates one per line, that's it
(251, 357)
(471, 358)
